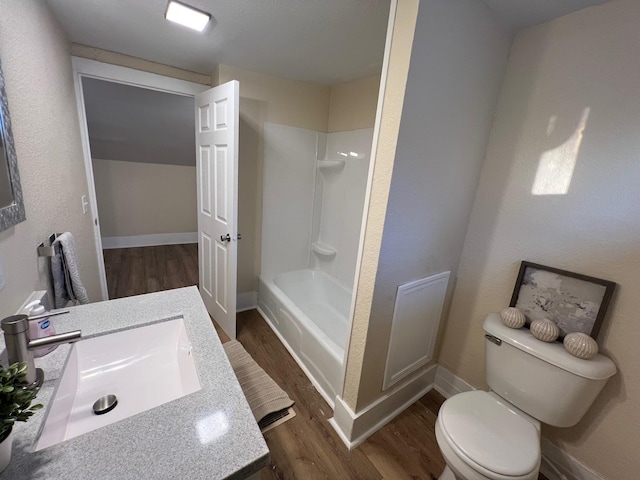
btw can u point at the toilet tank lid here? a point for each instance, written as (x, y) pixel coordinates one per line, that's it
(596, 368)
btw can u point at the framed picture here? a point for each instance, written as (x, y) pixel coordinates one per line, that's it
(577, 303)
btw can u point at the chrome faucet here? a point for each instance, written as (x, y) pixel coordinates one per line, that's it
(20, 347)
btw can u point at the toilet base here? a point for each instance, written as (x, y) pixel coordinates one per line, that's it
(447, 474)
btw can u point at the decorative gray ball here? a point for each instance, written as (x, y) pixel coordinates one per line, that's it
(581, 345)
(513, 317)
(545, 330)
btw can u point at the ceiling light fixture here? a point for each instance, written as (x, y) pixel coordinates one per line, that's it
(188, 16)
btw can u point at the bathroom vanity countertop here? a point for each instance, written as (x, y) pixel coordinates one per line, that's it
(208, 434)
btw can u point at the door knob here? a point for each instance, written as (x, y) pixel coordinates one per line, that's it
(226, 238)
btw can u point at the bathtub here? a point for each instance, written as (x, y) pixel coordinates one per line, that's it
(309, 310)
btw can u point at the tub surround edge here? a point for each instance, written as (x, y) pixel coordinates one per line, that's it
(304, 310)
(323, 393)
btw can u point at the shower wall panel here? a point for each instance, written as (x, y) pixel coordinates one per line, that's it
(340, 194)
(287, 208)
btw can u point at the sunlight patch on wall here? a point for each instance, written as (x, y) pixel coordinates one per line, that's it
(556, 166)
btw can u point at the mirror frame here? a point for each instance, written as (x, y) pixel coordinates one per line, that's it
(13, 214)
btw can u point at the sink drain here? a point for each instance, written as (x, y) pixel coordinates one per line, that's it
(105, 404)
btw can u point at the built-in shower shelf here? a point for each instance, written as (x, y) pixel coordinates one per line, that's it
(330, 164)
(324, 250)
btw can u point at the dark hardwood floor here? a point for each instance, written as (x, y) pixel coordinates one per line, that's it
(134, 271)
(305, 447)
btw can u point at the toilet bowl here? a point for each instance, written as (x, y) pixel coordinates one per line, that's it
(482, 438)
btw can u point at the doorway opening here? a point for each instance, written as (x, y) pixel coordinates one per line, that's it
(134, 125)
(90, 69)
(144, 168)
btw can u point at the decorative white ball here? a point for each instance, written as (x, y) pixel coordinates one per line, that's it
(581, 345)
(513, 317)
(545, 330)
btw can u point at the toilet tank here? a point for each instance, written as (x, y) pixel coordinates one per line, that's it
(542, 379)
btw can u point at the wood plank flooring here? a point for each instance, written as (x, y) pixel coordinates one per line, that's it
(134, 271)
(305, 447)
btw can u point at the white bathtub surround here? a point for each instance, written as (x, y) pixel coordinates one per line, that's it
(287, 199)
(448, 384)
(341, 182)
(313, 199)
(323, 250)
(308, 310)
(355, 428)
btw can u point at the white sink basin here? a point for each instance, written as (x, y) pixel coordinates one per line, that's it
(143, 367)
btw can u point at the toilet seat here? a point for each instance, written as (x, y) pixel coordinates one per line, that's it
(490, 437)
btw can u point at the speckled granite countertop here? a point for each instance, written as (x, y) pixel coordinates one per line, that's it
(162, 443)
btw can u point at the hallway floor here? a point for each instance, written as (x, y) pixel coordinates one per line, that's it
(305, 447)
(134, 271)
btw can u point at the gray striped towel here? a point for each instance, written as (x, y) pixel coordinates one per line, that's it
(65, 273)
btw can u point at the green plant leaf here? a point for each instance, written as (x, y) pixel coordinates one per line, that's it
(15, 399)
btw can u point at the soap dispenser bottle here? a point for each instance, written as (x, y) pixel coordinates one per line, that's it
(39, 327)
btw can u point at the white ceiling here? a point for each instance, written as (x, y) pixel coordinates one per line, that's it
(322, 41)
(518, 14)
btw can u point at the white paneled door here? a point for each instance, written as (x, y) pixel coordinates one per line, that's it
(217, 171)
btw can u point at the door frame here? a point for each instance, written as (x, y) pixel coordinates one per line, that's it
(83, 67)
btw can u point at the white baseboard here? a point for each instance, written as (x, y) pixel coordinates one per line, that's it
(355, 428)
(449, 384)
(246, 301)
(149, 240)
(568, 466)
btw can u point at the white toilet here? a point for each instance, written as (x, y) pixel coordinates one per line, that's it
(496, 435)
